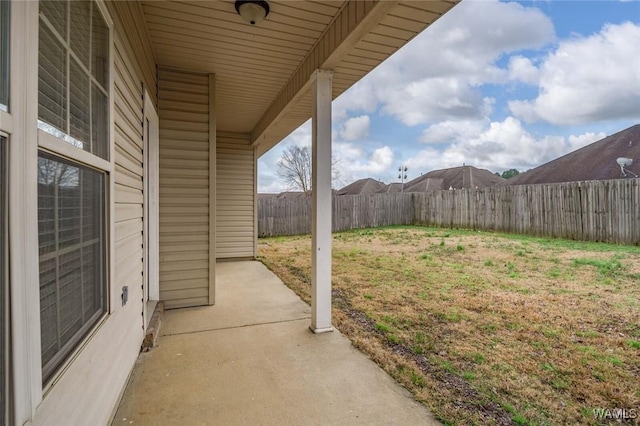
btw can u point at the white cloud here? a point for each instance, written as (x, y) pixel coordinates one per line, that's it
(577, 142)
(497, 146)
(300, 137)
(434, 99)
(356, 163)
(427, 160)
(268, 180)
(437, 75)
(359, 98)
(347, 152)
(468, 40)
(445, 81)
(588, 79)
(522, 69)
(449, 131)
(381, 159)
(354, 160)
(270, 186)
(356, 128)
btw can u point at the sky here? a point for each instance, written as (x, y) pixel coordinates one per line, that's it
(493, 84)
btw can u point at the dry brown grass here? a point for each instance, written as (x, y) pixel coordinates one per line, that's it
(486, 328)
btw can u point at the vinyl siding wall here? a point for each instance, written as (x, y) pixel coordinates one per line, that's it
(88, 391)
(184, 188)
(235, 196)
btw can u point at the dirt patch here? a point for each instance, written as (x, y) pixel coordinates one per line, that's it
(466, 398)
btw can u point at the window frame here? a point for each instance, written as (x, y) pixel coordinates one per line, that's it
(65, 135)
(151, 163)
(4, 278)
(61, 149)
(19, 124)
(56, 361)
(73, 60)
(5, 51)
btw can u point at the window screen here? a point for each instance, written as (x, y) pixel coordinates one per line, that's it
(73, 74)
(4, 54)
(71, 235)
(4, 323)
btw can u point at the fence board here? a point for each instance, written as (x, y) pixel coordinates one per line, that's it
(606, 211)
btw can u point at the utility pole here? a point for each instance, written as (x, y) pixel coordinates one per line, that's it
(402, 175)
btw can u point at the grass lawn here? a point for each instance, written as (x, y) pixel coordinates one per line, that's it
(485, 328)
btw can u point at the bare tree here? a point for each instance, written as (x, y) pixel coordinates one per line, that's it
(294, 167)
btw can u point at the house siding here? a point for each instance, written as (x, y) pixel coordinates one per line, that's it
(184, 188)
(235, 196)
(88, 390)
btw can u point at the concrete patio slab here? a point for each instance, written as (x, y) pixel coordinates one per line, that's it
(246, 293)
(251, 359)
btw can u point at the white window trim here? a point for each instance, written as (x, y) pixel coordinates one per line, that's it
(6, 122)
(4, 107)
(23, 211)
(6, 129)
(92, 331)
(213, 145)
(4, 276)
(114, 303)
(24, 143)
(106, 15)
(151, 166)
(63, 149)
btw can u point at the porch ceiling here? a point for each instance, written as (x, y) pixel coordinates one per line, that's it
(262, 72)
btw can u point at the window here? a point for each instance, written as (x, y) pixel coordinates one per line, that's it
(4, 323)
(73, 74)
(73, 106)
(71, 234)
(4, 54)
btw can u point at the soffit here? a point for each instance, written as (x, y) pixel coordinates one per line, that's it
(251, 64)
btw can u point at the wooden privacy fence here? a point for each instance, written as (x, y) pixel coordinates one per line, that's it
(593, 211)
(292, 216)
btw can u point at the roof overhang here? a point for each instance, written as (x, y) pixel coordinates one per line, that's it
(262, 72)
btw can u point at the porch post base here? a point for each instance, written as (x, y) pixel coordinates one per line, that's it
(321, 330)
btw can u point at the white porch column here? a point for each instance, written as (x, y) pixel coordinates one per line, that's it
(321, 189)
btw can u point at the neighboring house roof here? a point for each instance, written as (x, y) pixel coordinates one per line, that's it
(362, 186)
(455, 177)
(291, 194)
(596, 161)
(266, 195)
(424, 185)
(392, 187)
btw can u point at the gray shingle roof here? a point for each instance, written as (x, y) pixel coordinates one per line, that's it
(593, 162)
(455, 177)
(362, 186)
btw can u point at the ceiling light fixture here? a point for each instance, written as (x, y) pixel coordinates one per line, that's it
(252, 11)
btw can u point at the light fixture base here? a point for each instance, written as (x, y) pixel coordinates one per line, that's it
(252, 11)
